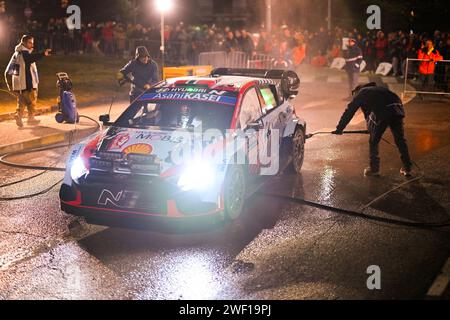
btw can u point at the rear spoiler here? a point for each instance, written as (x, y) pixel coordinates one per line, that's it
(290, 81)
(254, 73)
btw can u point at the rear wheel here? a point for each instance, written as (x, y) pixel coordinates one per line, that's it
(298, 152)
(235, 189)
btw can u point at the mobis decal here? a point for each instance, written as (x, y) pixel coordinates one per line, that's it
(164, 137)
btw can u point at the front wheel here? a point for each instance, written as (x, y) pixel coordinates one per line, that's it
(235, 189)
(298, 151)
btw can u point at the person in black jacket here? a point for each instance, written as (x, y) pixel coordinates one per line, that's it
(353, 64)
(144, 71)
(382, 108)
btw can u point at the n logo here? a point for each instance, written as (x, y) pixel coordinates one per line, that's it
(108, 198)
(74, 20)
(374, 21)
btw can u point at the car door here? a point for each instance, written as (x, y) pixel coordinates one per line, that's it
(277, 115)
(251, 113)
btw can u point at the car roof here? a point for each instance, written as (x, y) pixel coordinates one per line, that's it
(227, 83)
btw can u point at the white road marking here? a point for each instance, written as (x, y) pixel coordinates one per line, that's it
(440, 284)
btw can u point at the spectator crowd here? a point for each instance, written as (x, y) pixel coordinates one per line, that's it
(293, 45)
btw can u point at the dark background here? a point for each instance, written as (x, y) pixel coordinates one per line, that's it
(428, 15)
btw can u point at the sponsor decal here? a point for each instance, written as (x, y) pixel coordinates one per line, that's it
(120, 140)
(212, 96)
(184, 89)
(139, 148)
(160, 136)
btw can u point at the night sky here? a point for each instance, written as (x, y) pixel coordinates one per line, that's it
(428, 15)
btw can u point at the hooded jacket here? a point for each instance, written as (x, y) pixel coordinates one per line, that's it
(17, 68)
(143, 74)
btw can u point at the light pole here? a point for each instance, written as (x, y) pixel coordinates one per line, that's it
(269, 16)
(329, 15)
(163, 6)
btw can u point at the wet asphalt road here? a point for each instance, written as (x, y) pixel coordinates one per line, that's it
(278, 250)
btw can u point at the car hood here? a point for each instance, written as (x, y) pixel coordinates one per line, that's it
(161, 143)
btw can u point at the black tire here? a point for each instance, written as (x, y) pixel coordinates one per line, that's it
(235, 190)
(298, 150)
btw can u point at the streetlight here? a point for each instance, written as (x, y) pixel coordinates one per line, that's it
(269, 16)
(329, 15)
(163, 6)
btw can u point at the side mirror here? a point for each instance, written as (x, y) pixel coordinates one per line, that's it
(290, 84)
(105, 119)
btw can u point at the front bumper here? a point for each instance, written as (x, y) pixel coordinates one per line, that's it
(135, 204)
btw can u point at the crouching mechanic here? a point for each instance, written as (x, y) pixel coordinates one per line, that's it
(25, 80)
(144, 72)
(382, 108)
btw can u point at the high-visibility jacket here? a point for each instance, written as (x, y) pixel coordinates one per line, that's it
(428, 66)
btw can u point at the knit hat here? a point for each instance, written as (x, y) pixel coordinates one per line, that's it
(142, 52)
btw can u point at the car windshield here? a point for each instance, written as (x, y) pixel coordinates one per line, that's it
(183, 114)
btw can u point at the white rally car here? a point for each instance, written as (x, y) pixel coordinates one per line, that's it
(187, 148)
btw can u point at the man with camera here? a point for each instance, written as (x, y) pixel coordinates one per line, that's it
(25, 80)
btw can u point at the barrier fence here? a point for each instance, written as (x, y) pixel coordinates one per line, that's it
(427, 77)
(260, 61)
(177, 52)
(216, 59)
(236, 59)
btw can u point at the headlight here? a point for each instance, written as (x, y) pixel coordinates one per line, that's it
(78, 169)
(198, 175)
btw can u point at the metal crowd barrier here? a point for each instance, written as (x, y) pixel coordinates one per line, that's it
(437, 83)
(216, 59)
(235, 59)
(260, 61)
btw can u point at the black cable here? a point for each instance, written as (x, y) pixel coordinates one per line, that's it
(9, 92)
(37, 168)
(23, 180)
(29, 196)
(309, 136)
(31, 167)
(360, 214)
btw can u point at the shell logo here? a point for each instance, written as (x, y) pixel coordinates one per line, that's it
(138, 149)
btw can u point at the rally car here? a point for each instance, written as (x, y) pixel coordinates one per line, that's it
(187, 148)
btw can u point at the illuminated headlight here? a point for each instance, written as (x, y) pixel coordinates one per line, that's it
(198, 175)
(78, 169)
